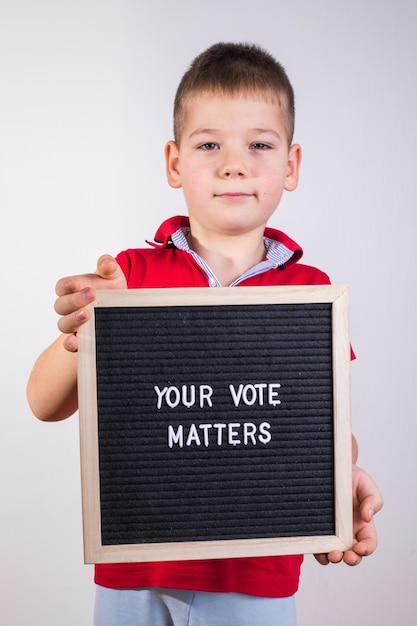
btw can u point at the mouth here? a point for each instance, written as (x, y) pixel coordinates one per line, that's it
(234, 195)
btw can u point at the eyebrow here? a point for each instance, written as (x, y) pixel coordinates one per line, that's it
(216, 131)
(204, 131)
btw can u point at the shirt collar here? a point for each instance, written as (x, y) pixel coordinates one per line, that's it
(276, 252)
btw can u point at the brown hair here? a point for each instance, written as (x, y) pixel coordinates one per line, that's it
(233, 68)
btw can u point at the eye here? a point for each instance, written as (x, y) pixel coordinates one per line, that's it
(259, 145)
(209, 146)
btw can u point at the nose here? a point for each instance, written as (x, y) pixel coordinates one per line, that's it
(233, 164)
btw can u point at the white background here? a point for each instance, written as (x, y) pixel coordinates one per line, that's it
(86, 92)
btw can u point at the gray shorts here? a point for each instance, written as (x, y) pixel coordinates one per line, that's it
(177, 607)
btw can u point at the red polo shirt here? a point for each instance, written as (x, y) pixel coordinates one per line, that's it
(165, 265)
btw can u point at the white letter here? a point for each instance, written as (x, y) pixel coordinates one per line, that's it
(246, 400)
(260, 387)
(193, 436)
(273, 393)
(265, 435)
(172, 403)
(233, 433)
(249, 431)
(220, 428)
(205, 394)
(175, 437)
(236, 396)
(205, 428)
(160, 395)
(188, 403)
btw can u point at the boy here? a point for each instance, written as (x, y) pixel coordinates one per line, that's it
(233, 157)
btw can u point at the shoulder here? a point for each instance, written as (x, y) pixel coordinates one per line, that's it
(137, 263)
(301, 274)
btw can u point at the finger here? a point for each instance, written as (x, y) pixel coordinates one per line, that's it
(108, 275)
(71, 343)
(322, 559)
(107, 267)
(73, 284)
(335, 556)
(367, 540)
(72, 322)
(350, 557)
(69, 284)
(70, 303)
(364, 548)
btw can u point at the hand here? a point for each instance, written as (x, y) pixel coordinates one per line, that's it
(367, 501)
(76, 292)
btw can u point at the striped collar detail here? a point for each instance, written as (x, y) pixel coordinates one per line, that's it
(276, 256)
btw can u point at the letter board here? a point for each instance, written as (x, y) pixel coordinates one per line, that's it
(215, 423)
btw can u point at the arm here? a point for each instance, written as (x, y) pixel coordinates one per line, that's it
(52, 385)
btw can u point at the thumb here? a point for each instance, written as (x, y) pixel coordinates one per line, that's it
(109, 269)
(107, 266)
(368, 495)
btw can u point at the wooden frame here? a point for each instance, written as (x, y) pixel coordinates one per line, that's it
(341, 539)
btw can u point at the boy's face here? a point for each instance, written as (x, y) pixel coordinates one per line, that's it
(233, 163)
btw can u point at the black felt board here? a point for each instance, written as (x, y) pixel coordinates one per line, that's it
(215, 488)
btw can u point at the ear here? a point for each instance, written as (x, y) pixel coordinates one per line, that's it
(172, 164)
(293, 168)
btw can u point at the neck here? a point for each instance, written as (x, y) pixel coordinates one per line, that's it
(228, 257)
